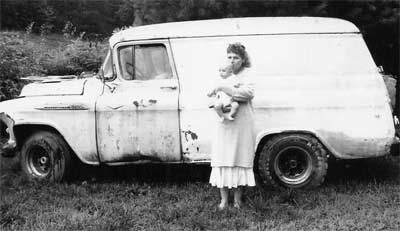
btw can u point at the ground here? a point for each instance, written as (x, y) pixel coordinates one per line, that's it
(357, 195)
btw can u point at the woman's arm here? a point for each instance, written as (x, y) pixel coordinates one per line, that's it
(242, 93)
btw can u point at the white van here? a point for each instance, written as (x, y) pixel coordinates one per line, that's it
(318, 93)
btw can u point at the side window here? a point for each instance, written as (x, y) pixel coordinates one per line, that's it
(144, 62)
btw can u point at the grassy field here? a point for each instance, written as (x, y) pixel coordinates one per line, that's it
(357, 195)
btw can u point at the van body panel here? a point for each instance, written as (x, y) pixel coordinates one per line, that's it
(326, 84)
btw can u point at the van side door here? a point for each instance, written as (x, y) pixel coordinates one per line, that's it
(137, 116)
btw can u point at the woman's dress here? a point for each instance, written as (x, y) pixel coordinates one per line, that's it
(233, 145)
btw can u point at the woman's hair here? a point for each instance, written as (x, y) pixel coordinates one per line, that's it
(240, 50)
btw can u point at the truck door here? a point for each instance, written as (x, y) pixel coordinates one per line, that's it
(137, 116)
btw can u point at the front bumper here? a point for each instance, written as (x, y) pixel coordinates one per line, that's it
(8, 148)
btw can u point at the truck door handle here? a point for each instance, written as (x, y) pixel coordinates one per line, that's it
(169, 87)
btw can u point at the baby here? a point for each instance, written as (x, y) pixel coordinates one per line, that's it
(222, 100)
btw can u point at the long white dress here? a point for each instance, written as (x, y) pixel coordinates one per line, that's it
(233, 145)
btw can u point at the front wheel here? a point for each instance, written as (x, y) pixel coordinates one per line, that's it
(292, 161)
(46, 156)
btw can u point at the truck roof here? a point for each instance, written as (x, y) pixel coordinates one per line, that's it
(235, 26)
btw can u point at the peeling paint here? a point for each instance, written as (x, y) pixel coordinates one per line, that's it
(146, 127)
(193, 136)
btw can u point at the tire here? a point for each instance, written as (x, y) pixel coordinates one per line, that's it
(46, 156)
(292, 161)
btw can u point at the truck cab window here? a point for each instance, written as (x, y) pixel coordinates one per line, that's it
(106, 68)
(144, 62)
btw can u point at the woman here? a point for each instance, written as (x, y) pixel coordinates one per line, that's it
(233, 148)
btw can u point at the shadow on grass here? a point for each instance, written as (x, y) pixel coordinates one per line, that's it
(146, 173)
(383, 169)
(372, 170)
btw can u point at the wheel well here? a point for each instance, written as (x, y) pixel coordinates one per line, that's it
(4, 136)
(22, 132)
(270, 136)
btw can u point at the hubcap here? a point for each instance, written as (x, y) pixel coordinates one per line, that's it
(293, 165)
(39, 161)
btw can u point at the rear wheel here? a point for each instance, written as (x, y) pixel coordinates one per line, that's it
(292, 161)
(46, 156)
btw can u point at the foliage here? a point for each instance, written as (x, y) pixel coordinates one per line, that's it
(377, 19)
(14, 62)
(25, 55)
(77, 57)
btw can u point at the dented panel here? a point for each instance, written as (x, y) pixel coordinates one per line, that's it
(138, 121)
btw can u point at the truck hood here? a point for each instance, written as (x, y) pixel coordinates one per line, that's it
(54, 85)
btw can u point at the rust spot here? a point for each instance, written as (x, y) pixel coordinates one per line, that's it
(141, 103)
(136, 156)
(193, 135)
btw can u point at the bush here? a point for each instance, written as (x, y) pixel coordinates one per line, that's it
(13, 60)
(78, 56)
(26, 54)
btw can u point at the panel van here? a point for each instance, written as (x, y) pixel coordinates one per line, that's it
(318, 93)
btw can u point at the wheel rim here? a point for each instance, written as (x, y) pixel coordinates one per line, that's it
(293, 165)
(39, 163)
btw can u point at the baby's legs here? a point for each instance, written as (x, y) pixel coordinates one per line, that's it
(234, 109)
(218, 106)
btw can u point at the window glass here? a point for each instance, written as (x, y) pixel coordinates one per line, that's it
(107, 66)
(144, 62)
(126, 62)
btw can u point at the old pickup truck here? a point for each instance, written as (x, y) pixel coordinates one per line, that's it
(318, 93)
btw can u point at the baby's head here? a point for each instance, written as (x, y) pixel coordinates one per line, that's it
(225, 71)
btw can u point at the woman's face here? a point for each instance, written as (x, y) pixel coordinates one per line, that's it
(236, 62)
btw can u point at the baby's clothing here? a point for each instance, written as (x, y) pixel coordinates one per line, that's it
(222, 97)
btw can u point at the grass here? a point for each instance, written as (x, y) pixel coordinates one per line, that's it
(357, 195)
